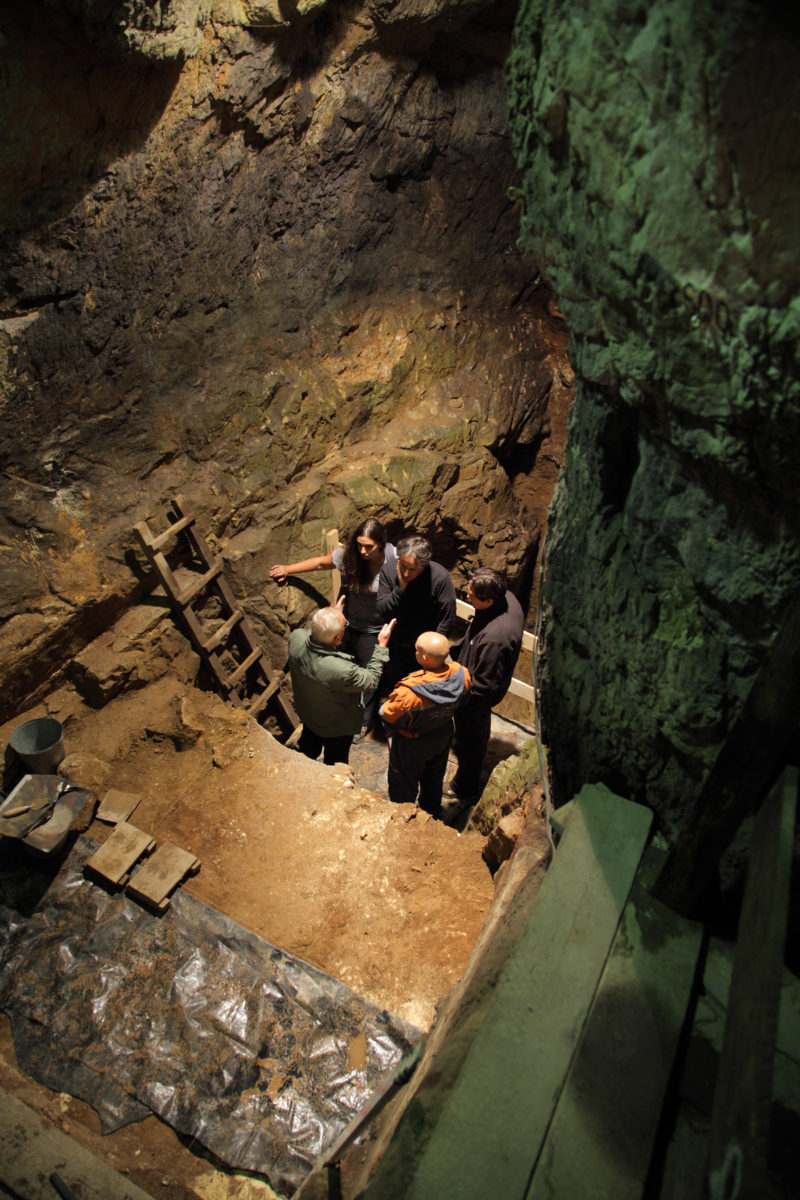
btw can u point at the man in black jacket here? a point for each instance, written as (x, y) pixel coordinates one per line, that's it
(420, 596)
(489, 650)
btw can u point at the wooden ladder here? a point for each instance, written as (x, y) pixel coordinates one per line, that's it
(222, 636)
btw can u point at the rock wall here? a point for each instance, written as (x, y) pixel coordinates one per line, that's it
(658, 145)
(264, 256)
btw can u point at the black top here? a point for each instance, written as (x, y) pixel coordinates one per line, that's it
(490, 648)
(427, 604)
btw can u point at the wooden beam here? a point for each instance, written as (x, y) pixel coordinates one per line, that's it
(604, 1127)
(116, 858)
(743, 1086)
(33, 1149)
(525, 690)
(331, 542)
(489, 1133)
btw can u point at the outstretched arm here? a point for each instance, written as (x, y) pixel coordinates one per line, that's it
(281, 570)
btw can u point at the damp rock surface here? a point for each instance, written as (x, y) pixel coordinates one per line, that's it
(268, 262)
(658, 191)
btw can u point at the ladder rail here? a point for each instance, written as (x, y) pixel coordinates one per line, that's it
(235, 636)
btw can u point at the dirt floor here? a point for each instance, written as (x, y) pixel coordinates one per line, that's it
(313, 859)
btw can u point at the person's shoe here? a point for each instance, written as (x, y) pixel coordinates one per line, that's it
(450, 792)
(453, 810)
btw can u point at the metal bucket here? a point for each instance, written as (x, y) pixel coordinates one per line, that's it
(39, 744)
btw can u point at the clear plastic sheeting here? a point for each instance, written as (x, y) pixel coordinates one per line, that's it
(256, 1054)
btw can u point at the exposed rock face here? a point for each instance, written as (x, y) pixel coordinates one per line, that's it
(662, 189)
(264, 256)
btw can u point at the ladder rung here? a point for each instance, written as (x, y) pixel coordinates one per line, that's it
(177, 527)
(194, 589)
(244, 667)
(222, 633)
(264, 699)
(160, 539)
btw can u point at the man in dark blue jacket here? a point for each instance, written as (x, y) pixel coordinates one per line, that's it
(489, 650)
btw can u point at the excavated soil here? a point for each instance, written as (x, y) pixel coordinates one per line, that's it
(379, 896)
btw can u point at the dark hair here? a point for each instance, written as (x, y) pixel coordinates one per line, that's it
(355, 568)
(487, 584)
(416, 547)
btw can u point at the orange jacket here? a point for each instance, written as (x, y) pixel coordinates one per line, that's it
(424, 699)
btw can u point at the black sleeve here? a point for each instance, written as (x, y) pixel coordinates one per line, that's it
(492, 668)
(389, 592)
(445, 597)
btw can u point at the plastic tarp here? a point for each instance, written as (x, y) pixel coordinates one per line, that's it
(259, 1056)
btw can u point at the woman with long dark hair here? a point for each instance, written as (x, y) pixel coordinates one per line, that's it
(360, 561)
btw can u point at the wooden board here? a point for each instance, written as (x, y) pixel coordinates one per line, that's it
(601, 1137)
(498, 1111)
(743, 1088)
(32, 1148)
(117, 856)
(332, 543)
(117, 806)
(161, 874)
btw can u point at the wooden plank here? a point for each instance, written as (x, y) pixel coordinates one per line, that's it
(244, 667)
(118, 854)
(223, 632)
(174, 529)
(117, 806)
(155, 542)
(525, 690)
(261, 701)
(156, 879)
(32, 1149)
(686, 1161)
(743, 1087)
(167, 576)
(331, 543)
(601, 1138)
(185, 598)
(488, 1136)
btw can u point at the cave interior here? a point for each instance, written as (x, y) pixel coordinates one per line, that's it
(519, 276)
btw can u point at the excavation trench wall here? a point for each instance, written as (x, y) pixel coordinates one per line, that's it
(269, 263)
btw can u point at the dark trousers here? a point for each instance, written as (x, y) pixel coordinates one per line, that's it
(417, 765)
(361, 643)
(473, 722)
(337, 749)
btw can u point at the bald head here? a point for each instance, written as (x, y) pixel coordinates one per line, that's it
(432, 649)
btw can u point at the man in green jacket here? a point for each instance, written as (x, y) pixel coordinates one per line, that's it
(327, 684)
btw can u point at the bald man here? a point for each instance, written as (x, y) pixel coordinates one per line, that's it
(419, 717)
